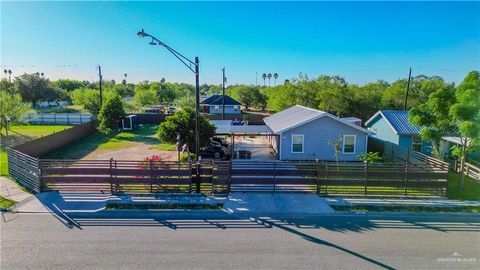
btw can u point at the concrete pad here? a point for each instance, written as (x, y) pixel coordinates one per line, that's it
(276, 203)
(10, 190)
(64, 202)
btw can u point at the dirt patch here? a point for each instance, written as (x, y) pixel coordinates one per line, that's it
(137, 151)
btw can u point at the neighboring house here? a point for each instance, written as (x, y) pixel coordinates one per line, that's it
(393, 126)
(448, 142)
(213, 105)
(309, 134)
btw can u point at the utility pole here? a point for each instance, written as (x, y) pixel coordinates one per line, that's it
(100, 84)
(408, 89)
(223, 93)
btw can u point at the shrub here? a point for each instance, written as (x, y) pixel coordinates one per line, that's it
(371, 157)
(112, 111)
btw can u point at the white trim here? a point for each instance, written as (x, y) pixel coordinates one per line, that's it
(354, 144)
(303, 144)
(386, 120)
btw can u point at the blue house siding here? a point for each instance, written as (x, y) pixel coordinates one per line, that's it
(317, 135)
(383, 130)
(228, 110)
(405, 141)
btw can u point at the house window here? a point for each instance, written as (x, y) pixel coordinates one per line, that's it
(297, 143)
(416, 143)
(216, 108)
(235, 108)
(349, 144)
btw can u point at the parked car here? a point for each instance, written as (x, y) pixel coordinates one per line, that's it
(213, 150)
(221, 141)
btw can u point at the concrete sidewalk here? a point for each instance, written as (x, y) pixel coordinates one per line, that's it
(12, 191)
(340, 201)
(276, 203)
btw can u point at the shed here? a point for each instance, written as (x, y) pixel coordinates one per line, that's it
(393, 126)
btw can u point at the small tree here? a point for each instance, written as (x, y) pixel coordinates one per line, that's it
(183, 123)
(337, 147)
(112, 111)
(11, 106)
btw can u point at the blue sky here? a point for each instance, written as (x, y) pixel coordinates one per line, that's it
(360, 41)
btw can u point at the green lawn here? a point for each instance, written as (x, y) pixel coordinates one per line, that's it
(146, 134)
(6, 203)
(22, 134)
(471, 189)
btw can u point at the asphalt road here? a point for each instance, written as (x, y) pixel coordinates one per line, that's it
(132, 240)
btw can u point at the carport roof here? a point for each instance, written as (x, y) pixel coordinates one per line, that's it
(225, 127)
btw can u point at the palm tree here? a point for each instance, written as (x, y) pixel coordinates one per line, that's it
(264, 76)
(269, 78)
(42, 74)
(124, 81)
(10, 75)
(5, 71)
(275, 76)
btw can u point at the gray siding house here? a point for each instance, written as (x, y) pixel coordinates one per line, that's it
(309, 134)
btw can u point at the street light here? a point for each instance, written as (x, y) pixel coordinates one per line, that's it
(192, 66)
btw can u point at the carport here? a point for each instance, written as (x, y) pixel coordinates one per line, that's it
(258, 139)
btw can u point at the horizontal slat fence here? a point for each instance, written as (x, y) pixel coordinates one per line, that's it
(468, 169)
(25, 169)
(122, 176)
(58, 118)
(330, 178)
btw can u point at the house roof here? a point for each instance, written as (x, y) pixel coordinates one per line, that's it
(398, 121)
(299, 115)
(217, 100)
(457, 140)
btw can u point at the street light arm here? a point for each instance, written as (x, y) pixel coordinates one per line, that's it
(187, 62)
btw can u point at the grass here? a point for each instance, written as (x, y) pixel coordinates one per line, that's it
(405, 208)
(81, 148)
(471, 189)
(165, 147)
(21, 134)
(6, 203)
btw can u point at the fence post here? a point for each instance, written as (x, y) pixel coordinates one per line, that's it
(151, 175)
(55, 118)
(405, 179)
(213, 164)
(467, 168)
(111, 176)
(190, 170)
(229, 175)
(326, 178)
(80, 118)
(366, 176)
(40, 178)
(274, 174)
(42, 118)
(318, 177)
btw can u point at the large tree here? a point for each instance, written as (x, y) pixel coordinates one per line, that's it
(183, 123)
(465, 114)
(450, 112)
(34, 88)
